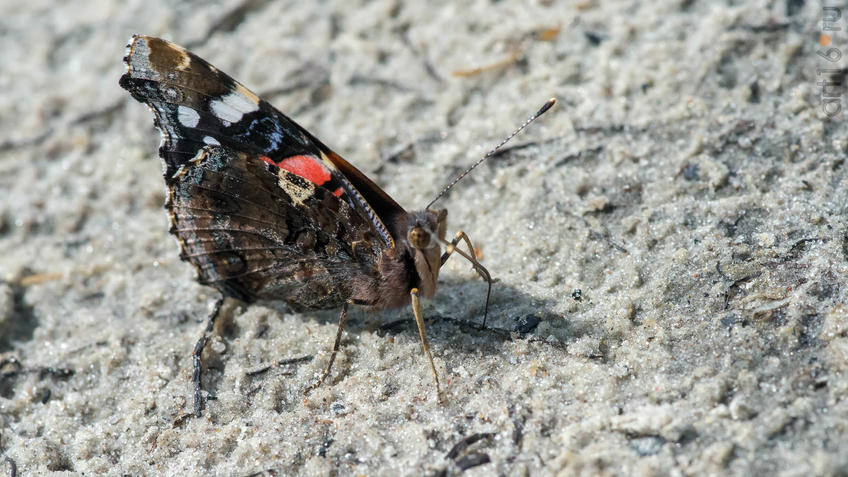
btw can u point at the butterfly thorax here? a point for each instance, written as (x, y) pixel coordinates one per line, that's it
(413, 263)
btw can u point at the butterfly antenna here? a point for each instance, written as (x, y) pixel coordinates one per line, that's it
(491, 153)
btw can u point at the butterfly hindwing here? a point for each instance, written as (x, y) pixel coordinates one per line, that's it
(246, 234)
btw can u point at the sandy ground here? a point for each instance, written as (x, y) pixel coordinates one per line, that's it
(674, 228)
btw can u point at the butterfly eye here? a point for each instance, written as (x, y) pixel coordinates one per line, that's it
(419, 238)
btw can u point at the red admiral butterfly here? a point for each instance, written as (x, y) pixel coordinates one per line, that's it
(265, 211)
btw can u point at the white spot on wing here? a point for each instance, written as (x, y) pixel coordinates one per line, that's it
(211, 141)
(232, 107)
(128, 55)
(187, 116)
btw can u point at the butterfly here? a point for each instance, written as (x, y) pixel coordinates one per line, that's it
(264, 210)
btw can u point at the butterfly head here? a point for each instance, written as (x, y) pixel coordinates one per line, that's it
(425, 230)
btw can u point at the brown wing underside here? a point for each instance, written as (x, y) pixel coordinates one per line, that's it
(258, 232)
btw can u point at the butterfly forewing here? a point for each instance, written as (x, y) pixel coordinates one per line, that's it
(261, 207)
(197, 105)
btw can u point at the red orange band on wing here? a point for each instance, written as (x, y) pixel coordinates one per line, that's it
(308, 167)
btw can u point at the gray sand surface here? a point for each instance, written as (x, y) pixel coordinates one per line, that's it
(688, 184)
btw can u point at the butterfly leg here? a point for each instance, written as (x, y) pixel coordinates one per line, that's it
(336, 343)
(195, 357)
(480, 269)
(422, 331)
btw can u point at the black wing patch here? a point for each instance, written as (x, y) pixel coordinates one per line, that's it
(195, 105)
